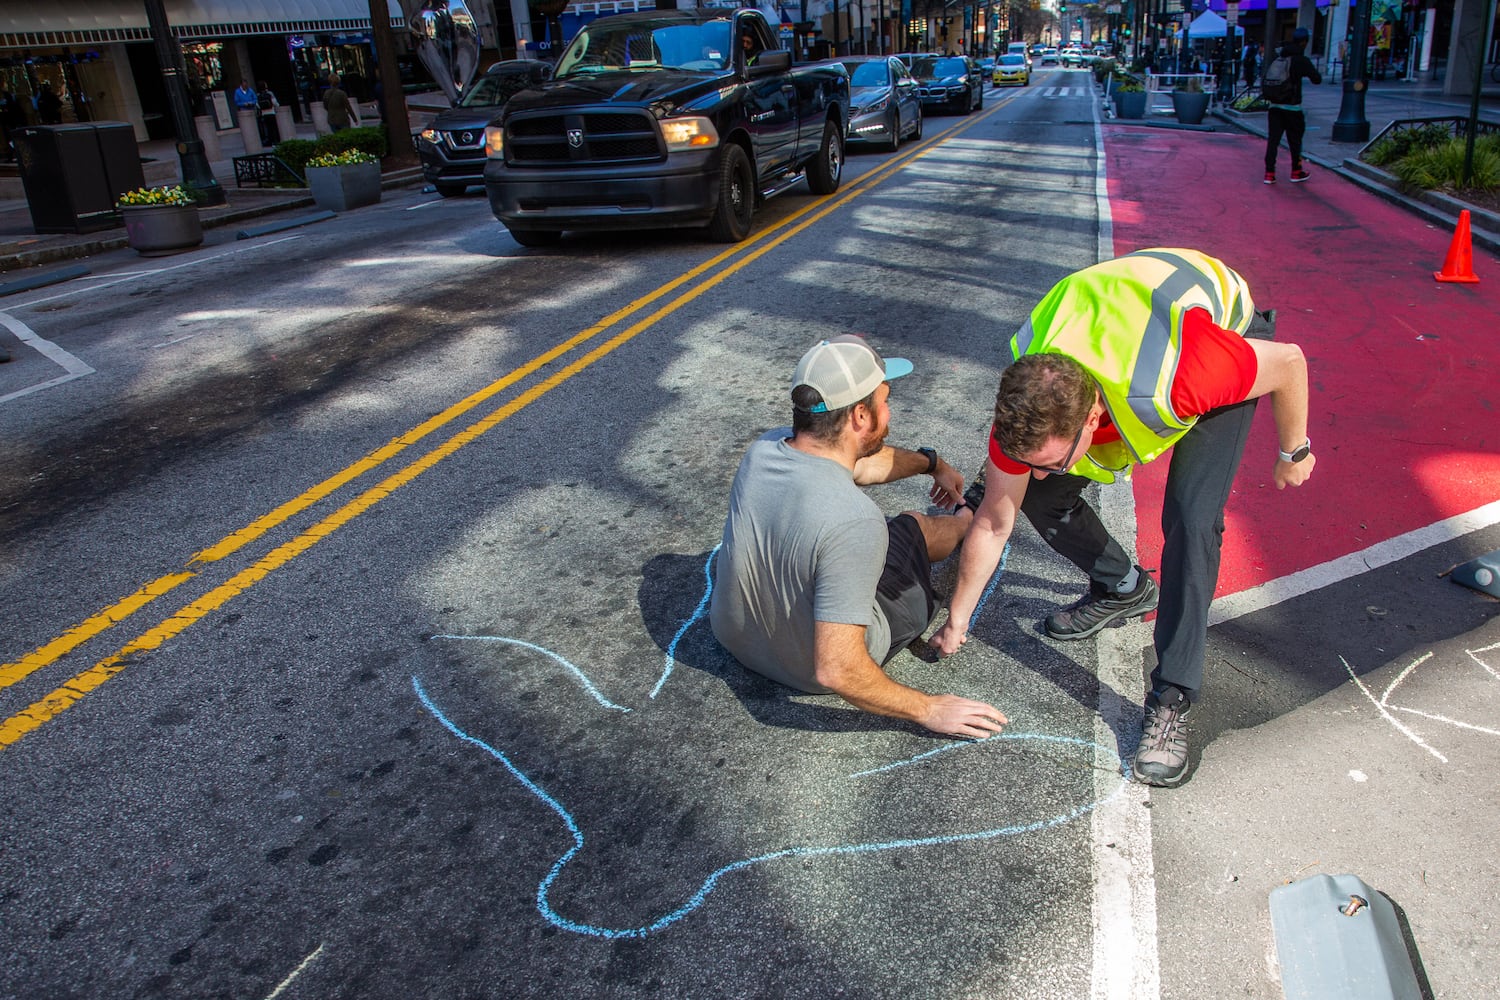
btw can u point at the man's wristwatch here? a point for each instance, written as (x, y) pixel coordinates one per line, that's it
(931, 459)
(1296, 456)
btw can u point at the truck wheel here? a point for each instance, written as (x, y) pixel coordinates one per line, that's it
(536, 237)
(827, 167)
(731, 221)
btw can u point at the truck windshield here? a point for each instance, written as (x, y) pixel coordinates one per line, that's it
(638, 46)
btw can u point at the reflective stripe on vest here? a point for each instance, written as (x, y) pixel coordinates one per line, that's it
(1122, 320)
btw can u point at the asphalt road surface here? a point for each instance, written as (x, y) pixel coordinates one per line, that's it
(353, 585)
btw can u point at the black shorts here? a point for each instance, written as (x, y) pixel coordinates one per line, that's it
(905, 589)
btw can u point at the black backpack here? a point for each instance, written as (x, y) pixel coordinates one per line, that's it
(1277, 85)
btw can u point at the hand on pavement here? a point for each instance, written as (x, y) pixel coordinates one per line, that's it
(954, 716)
(947, 639)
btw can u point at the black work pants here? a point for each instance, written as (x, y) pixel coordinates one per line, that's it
(1292, 124)
(1202, 470)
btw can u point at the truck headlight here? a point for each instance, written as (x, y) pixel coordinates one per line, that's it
(430, 135)
(689, 133)
(494, 142)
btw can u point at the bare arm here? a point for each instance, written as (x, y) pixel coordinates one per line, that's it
(844, 666)
(1282, 374)
(890, 464)
(980, 554)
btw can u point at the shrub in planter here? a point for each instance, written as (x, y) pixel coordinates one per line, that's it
(1130, 97)
(160, 220)
(369, 139)
(1443, 166)
(341, 181)
(1396, 145)
(1189, 101)
(295, 153)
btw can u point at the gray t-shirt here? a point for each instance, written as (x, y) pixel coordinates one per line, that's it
(802, 544)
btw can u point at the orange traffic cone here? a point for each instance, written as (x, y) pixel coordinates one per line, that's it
(1459, 265)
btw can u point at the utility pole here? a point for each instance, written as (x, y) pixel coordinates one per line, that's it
(196, 172)
(392, 97)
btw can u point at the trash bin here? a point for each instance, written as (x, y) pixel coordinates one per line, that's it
(72, 174)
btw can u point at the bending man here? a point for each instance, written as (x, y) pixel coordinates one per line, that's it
(813, 587)
(1118, 363)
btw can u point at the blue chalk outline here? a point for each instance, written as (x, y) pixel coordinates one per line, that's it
(990, 588)
(588, 685)
(708, 590)
(544, 906)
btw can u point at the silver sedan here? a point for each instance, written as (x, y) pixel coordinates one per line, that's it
(884, 104)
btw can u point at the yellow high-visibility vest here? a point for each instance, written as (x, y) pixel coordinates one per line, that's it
(1121, 320)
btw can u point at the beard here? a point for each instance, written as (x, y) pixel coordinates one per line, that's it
(877, 442)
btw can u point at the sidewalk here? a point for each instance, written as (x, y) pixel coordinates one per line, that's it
(22, 247)
(1386, 101)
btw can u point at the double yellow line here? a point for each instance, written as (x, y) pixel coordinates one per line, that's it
(75, 688)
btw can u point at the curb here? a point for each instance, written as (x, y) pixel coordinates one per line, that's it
(214, 219)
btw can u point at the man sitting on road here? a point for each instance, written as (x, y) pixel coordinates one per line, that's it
(1118, 363)
(813, 587)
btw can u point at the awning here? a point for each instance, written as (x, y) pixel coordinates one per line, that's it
(1257, 5)
(1209, 25)
(95, 22)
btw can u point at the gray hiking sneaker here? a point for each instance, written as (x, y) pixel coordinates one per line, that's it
(1163, 754)
(1095, 611)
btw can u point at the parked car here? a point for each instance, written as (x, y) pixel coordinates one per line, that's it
(885, 105)
(1072, 56)
(452, 147)
(908, 57)
(1049, 55)
(1037, 50)
(1012, 71)
(665, 118)
(949, 82)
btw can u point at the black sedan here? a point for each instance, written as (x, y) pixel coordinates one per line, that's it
(950, 82)
(884, 106)
(452, 147)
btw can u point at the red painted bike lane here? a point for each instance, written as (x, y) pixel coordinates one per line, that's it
(1405, 410)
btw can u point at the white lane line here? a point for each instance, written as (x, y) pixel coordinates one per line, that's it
(428, 204)
(1126, 965)
(294, 974)
(121, 277)
(72, 366)
(1232, 606)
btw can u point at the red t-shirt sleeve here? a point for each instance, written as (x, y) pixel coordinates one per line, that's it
(1216, 367)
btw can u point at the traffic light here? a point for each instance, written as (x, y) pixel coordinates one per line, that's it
(1062, 10)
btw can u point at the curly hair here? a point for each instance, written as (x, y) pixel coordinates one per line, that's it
(1042, 396)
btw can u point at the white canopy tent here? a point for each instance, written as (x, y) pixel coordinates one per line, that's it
(1209, 25)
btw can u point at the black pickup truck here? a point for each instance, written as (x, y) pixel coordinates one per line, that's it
(665, 119)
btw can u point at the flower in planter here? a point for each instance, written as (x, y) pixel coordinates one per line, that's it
(174, 194)
(347, 158)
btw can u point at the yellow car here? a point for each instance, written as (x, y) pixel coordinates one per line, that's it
(1012, 70)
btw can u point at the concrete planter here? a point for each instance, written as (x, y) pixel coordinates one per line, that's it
(158, 230)
(1190, 106)
(339, 189)
(1130, 104)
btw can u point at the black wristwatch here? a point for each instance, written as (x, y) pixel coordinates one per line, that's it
(1298, 455)
(931, 459)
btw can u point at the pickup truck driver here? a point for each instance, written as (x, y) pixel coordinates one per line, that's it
(813, 587)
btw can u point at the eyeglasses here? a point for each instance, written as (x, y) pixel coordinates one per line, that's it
(1067, 461)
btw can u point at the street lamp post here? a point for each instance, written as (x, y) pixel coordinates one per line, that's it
(1352, 125)
(195, 169)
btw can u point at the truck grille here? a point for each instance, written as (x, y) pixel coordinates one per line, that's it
(544, 138)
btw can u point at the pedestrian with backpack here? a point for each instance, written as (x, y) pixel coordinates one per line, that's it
(1281, 88)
